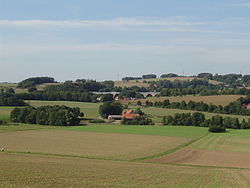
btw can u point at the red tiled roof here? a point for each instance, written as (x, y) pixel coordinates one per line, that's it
(130, 115)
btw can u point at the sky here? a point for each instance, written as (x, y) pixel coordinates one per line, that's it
(111, 39)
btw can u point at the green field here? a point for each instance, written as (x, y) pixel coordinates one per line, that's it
(189, 132)
(157, 113)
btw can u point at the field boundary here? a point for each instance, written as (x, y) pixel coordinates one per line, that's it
(169, 151)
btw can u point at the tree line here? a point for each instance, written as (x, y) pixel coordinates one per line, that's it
(198, 119)
(47, 115)
(235, 107)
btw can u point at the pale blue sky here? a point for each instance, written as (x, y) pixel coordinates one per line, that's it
(98, 39)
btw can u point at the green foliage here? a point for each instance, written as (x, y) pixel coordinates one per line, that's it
(110, 108)
(198, 119)
(3, 122)
(107, 98)
(169, 75)
(149, 76)
(47, 115)
(8, 98)
(141, 120)
(30, 82)
(32, 89)
(232, 108)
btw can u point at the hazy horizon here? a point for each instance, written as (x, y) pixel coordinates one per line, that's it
(98, 40)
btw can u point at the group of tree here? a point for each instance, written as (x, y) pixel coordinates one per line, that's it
(47, 115)
(59, 96)
(140, 120)
(30, 82)
(235, 107)
(110, 108)
(82, 85)
(8, 98)
(131, 78)
(169, 75)
(216, 123)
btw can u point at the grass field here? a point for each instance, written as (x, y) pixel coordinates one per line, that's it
(158, 113)
(215, 99)
(5, 112)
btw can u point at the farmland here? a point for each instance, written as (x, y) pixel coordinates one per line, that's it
(109, 155)
(158, 113)
(144, 82)
(215, 99)
(76, 156)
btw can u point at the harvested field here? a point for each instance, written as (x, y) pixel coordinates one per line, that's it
(101, 145)
(206, 158)
(215, 99)
(18, 170)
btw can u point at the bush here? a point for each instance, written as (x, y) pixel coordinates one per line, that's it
(216, 128)
(97, 121)
(3, 122)
(141, 120)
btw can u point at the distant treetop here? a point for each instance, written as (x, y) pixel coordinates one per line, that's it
(170, 75)
(30, 82)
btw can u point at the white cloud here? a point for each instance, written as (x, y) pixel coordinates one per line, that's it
(138, 21)
(244, 5)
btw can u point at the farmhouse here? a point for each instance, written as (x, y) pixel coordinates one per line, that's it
(130, 115)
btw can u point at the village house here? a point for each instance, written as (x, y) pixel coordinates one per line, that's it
(130, 115)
